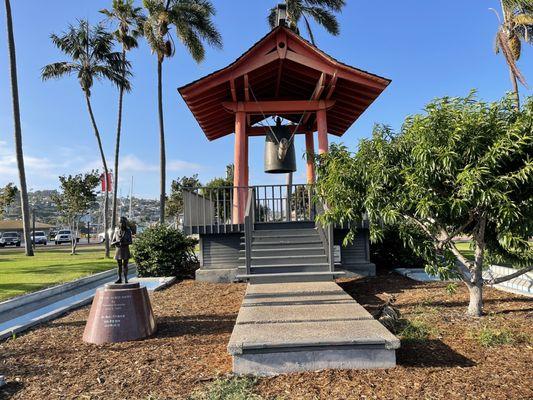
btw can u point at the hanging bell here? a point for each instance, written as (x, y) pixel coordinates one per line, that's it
(280, 157)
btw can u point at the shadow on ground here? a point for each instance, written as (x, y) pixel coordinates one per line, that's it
(195, 324)
(430, 353)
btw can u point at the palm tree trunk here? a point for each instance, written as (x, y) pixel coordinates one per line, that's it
(117, 147)
(162, 155)
(515, 89)
(106, 172)
(18, 132)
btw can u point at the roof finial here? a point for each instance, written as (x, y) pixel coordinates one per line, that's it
(281, 15)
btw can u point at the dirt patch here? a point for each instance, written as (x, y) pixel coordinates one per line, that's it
(195, 323)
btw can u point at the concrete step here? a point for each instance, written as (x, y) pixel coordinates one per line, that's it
(290, 277)
(276, 236)
(286, 251)
(285, 232)
(306, 326)
(279, 269)
(283, 259)
(294, 241)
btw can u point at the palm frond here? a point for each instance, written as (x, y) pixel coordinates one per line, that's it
(272, 17)
(509, 56)
(333, 5)
(58, 70)
(325, 18)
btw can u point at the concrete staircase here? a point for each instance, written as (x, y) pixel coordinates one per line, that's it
(289, 252)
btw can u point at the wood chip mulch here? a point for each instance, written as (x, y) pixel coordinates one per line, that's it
(195, 322)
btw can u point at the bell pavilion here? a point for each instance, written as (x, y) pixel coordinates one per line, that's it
(282, 88)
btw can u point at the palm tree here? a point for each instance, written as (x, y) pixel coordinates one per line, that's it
(515, 28)
(193, 24)
(322, 11)
(18, 132)
(129, 21)
(90, 51)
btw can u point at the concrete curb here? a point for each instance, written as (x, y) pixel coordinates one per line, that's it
(55, 310)
(25, 299)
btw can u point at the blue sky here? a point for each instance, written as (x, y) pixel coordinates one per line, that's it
(428, 49)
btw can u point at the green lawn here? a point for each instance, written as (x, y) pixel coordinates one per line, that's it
(20, 274)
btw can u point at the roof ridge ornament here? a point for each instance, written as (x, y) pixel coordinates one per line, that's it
(281, 14)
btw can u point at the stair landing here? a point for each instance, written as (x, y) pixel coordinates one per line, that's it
(306, 326)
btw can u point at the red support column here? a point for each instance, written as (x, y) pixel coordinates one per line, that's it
(246, 162)
(310, 150)
(239, 175)
(322, 125)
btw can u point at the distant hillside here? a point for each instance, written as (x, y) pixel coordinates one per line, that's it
(144, 211)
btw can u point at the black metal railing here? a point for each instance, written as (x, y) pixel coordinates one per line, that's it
(249, 218)
(326, 233)
(219, 210)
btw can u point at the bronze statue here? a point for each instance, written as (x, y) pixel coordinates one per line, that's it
(122, 240)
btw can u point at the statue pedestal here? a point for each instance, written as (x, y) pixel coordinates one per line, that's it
(119, 313)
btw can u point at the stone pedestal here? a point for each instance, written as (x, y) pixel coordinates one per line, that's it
(119, 313)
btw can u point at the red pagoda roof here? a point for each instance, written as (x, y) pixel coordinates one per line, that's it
(282, 66)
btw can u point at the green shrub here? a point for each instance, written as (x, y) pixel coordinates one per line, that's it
(490, 337)
(164, 251)
(416, 330)
(228, 389)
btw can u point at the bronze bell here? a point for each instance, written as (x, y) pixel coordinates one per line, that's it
(280, 157)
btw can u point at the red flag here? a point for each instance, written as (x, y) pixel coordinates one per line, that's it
(107, 184)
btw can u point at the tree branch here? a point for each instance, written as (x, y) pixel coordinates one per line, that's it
(463, 265)
(495, 281)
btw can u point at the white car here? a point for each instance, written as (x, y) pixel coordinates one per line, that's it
(39, 238)
(101, 236)
(64, 236)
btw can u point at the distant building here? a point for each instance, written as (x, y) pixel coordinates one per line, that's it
(16, 226)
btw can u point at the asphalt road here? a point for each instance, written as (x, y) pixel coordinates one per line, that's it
(50, 245)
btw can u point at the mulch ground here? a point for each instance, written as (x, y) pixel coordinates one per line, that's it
(195, 322)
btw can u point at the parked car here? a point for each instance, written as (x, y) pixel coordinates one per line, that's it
(10, 239)
(39, 238)
(64, 236)
(101, 236)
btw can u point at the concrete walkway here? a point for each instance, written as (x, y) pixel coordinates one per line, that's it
(521, 285)
(23, 312)
(307, 326)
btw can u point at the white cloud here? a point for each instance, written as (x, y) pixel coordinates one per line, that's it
(132, 163)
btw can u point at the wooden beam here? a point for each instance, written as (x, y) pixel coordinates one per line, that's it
(263, 130)
(333, 85)
(278, 106)
(321, 119)
(310, 157)
(233, 91)
(319, 88)
(247, 94)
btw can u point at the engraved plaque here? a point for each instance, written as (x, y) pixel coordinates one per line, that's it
(120, 313)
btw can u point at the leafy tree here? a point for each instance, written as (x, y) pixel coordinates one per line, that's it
(174, 204)
(76, 197)
(129, 22)
(91, 58)
(464, 167)
(224, 188)
(322, 11)
(7, 196)
(18, 130)
(192, 22)
(515, 28)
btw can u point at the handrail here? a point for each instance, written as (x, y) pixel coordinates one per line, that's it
(248, 229)
(326, 234)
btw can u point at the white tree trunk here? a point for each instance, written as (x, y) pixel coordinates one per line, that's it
(475, 306)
